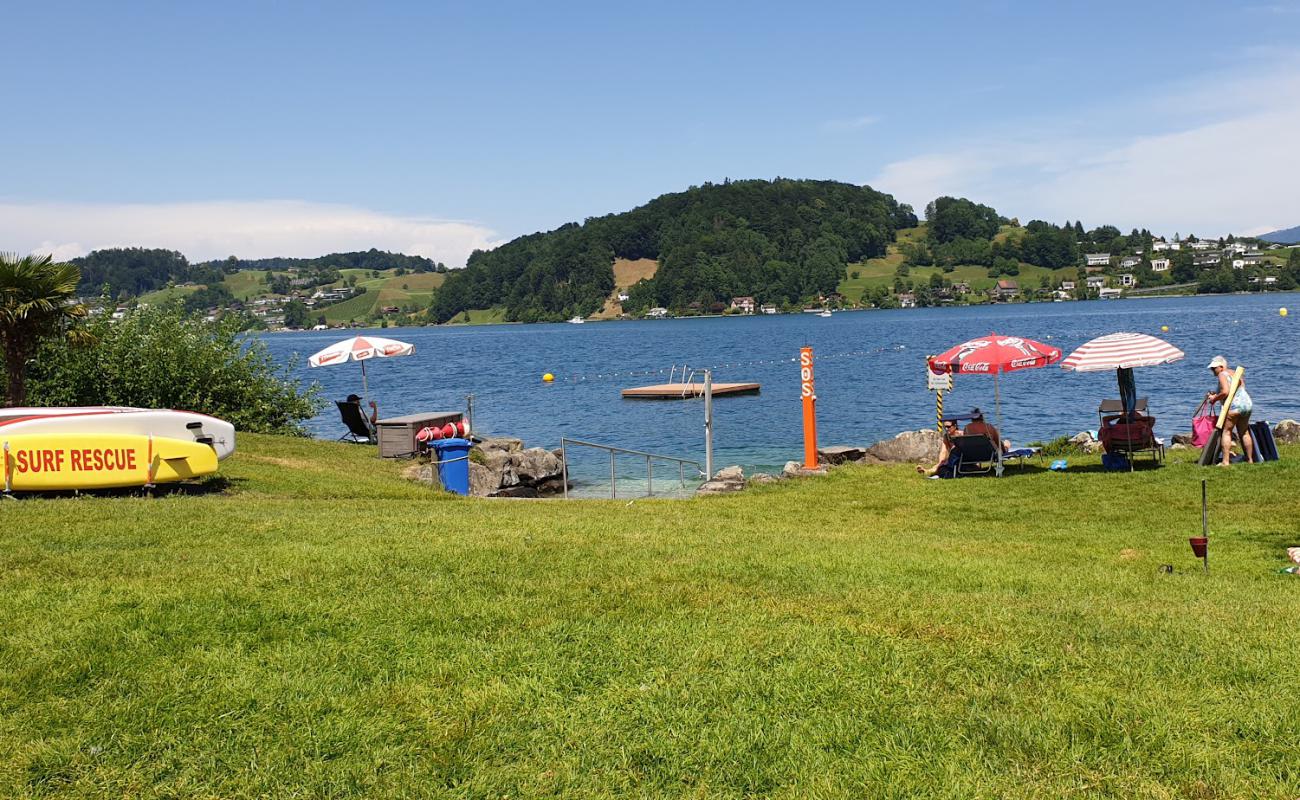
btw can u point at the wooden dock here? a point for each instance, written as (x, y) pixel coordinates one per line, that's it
(680, 391)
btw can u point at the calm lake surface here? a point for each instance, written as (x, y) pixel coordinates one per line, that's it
(870, 375)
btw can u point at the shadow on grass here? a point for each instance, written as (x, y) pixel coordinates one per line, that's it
(213, 484)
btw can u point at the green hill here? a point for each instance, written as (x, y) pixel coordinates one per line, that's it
(779, 241)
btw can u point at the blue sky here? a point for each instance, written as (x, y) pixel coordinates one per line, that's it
(295, 129)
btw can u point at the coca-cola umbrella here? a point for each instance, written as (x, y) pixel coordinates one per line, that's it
(995, 354)
(1122, 352)
(361, 348)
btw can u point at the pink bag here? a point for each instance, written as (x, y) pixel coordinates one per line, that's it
(1203, 425)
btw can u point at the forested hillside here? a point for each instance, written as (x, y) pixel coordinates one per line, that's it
(779, 241)
(134, 271)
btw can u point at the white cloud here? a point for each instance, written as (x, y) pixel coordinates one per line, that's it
(248, 229)
(1227, 164)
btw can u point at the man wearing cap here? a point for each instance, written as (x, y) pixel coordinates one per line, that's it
(1238, 411)
(978, 426)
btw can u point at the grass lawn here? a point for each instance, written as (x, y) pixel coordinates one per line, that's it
(247, 284)
(167, 294)
(480, 316)
(320, 628)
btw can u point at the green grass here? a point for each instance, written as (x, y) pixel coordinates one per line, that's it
(247, 284)
(359, 308)
(323, 629)
(167, 294)
(480, 316)
(879, 272)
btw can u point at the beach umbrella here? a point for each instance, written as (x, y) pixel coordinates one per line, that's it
(1122, 352)
(995, 354)
(361, 348)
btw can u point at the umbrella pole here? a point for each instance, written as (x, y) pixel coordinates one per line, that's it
(997, 402)
(365, 387)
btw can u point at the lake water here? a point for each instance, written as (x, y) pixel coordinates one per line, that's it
(870, 375)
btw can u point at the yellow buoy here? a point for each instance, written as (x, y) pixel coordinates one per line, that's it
(1281, 312)
(548, 377)
(1164, 328)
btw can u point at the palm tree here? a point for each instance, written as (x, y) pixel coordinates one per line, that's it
(37, 300)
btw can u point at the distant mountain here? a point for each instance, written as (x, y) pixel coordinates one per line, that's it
(1287, 236)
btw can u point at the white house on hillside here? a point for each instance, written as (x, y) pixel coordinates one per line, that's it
(1097, 259)
(1127, 279)
(1159, 265)
(1095, 281)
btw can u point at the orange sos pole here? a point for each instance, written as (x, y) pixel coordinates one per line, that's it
(809, 408)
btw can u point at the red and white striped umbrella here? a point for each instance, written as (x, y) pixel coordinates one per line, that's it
(1121, 351)
(361, 348)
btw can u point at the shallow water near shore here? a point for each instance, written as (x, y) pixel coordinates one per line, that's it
(870, 376)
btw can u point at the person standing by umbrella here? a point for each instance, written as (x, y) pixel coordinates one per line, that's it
(1238, 411)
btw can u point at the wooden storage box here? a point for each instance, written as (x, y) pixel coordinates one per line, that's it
(397, 434)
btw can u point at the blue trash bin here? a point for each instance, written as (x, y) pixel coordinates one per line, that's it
(452, 456)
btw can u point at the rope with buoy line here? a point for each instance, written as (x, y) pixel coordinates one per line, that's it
(696, 369)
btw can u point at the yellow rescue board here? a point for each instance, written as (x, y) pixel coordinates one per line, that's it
(42, 463)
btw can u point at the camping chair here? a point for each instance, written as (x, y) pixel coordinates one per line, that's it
(1126, 435)
(977, 455)
(1109, 407)
(360, 429)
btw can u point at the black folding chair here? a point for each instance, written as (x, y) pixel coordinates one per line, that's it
(360, 429)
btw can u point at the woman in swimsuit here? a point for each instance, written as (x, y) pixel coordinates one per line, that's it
(950, 431)
(1238, 411)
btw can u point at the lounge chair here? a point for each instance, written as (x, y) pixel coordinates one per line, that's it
(360, 429)
(977, 455)
(1109, 407)
(1128, 435)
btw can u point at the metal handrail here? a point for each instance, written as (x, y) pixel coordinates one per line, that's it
(650, 458)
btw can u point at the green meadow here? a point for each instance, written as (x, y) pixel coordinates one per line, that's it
(309, 624)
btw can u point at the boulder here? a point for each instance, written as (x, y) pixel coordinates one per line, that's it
(1085, 441)
(517, 491)
(759, 478)
(482, 481)
(1287, 432)
(793, 469)
(719, 487)
(506, 443)
(732, 474)
(840, 454)
(908, 447)
(535, 465)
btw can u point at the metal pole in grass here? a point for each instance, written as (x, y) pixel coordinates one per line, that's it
(564, 468)
(708, 423)
(613, 479)
(1201, 544)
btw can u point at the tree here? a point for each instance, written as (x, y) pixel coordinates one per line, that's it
(37, 301)
(158, 357)
(952, 218)
(295, 314)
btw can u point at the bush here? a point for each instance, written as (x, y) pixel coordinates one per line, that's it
(161, 358)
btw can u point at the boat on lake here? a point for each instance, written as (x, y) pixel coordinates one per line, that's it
(577, 321)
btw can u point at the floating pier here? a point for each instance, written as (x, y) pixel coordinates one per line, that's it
(680, 391)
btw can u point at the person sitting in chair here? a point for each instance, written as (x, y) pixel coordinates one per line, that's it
(977, 426)
(950, 431)
(374, 408)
